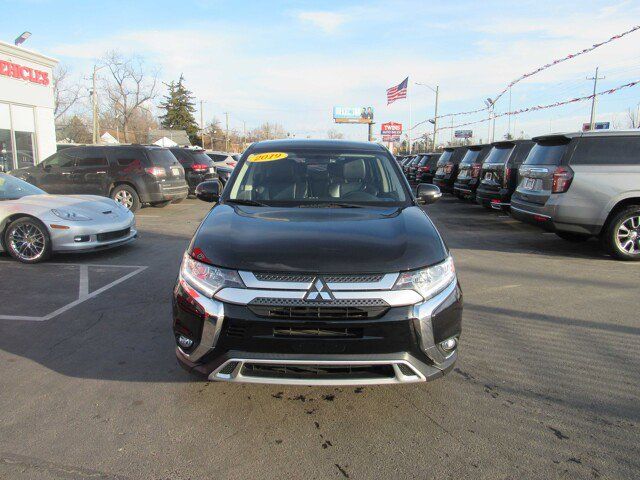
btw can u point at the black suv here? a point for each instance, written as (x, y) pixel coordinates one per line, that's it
(499, 173)
(427, 168)
(337, 275)
(130, 174)
(469, 171)
(447, 168)
(198, 166)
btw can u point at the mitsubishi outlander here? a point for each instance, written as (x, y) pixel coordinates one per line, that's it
(335, 275)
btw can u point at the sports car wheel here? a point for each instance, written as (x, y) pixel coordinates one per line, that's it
(27, 240)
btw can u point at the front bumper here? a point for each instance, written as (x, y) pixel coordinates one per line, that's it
(90, 236)
(233, 344)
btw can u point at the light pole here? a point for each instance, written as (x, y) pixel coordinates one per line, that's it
(22, 38)
(435, 115)
(491, 106)
(94, 101)
(595, 78)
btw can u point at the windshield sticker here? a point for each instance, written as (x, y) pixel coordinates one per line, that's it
(267, 157)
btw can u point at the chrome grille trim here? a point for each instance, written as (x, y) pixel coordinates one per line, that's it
(336, 282)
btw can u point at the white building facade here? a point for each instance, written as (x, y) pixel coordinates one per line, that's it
(27, 129)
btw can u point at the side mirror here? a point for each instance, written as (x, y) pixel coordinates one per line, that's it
(427, 194)
(208, 191)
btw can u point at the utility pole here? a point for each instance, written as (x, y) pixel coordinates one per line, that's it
(226, 140)
(202, 124)
(435, 120)
(94, 95)
(509, 116)
(595, 78)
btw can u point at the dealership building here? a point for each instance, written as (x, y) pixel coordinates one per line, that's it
(27, 130)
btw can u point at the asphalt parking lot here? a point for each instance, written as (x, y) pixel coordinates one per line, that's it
(547, 385)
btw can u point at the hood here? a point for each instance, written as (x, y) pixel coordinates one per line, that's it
(318, 240)
(79, 203)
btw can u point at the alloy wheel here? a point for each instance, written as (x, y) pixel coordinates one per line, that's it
(27, 241)
(124, 198)
(628, 235)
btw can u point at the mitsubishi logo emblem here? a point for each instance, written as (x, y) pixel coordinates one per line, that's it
(318, 291)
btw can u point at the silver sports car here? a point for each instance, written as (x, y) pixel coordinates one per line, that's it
(33, 224)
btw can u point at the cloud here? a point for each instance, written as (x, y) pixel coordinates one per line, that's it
(328, 22)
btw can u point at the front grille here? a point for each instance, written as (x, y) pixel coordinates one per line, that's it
(235, 331)
(294, 277)
(295, 302)
(105, 237)
(317, 371)
(406, 370)
(318, 312)
(295, 332)
(228, 368)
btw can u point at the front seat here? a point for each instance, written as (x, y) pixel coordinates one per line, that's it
(284, 182)
(351, 179)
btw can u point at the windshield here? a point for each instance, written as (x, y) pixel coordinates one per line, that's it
(12, 188)
(470, 157)
(546, 153)
(498, 155)
(318, 176)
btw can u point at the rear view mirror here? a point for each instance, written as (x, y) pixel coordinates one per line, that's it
(427, 194)
(208, 191)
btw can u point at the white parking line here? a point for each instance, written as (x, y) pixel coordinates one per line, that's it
(83, 290)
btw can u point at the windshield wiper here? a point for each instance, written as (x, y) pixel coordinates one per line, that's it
(251, 203)
(330, 205)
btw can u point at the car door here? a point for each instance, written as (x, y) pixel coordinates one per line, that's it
(54, 174)
(91, 173)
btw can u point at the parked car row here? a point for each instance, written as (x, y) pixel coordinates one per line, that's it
(132, 175)
(578, 185)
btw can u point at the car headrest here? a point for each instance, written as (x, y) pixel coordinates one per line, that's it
(354, 170)
(280, 170)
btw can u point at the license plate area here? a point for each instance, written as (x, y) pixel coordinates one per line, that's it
(532, 183)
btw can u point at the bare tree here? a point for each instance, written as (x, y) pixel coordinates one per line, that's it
(633, 117)
(334, 134)
(65, 92)
(129, 87)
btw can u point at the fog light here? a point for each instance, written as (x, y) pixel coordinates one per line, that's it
(449, 344)
(184, 342)
(81, 238)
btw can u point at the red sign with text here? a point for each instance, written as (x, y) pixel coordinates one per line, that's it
(391, 128)
(9, 69)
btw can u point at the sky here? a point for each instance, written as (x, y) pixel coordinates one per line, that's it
(291, 62)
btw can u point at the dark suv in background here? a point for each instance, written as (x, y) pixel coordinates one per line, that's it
(198, 166)
(469, 171)
(447, 168)
(499, 175)
(427, 168)
(130, 174)
(584, 184)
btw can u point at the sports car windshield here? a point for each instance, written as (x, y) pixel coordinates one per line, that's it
(318, 178)
(12, 188)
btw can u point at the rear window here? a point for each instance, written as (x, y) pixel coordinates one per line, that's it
(607, 150)
(470, 157)
(498, 155)
(162, 158)
(423, 161)
(444, 158)
(201, 158)
(546, 153)
(217, 157)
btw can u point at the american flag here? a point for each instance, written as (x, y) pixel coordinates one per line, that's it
(397, 92)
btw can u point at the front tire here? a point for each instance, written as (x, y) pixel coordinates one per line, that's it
(27, 240)
(621, 237)
(127, 196)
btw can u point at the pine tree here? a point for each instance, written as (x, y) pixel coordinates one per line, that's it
(179, 107)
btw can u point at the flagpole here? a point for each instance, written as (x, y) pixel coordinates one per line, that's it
(409, 127)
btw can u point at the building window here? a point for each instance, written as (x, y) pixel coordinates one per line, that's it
(6, 151)
(24, 149)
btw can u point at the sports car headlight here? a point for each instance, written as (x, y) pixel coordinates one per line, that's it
(69, 215)
(206, 278)
(429, 281)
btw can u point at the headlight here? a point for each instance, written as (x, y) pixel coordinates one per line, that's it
(430, 281)
(207, 278)
(69, 215)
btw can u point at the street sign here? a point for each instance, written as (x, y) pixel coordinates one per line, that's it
(463, 133)
(353, 114)
(598, 126)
